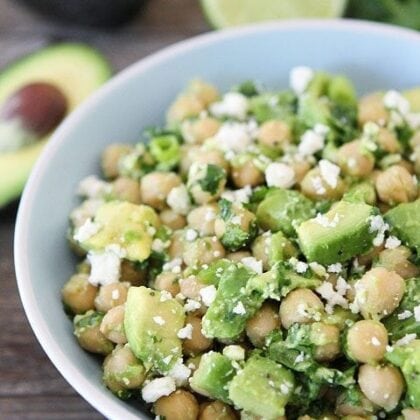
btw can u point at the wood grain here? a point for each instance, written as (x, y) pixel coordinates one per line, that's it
(30, 386)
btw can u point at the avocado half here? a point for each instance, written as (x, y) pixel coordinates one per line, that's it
(76, 70)
(101, 13)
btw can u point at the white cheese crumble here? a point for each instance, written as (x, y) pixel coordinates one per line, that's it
(180, 373)
(329, 172)
(299, 78)
(312, 141)
(392, 242)
(105, 265)
(407, 339)
(233, 104)
(404, 315)
(253, 264)
(86, 231)
(159, 246)
(300, 357)
(324, 221)
(238, 196)
(192, 305)
(233, 136)
(378, 226)
(191, 235)
(279, 174)
(115, 294)
(173, 265)
(374, 340)
(332, 297)
(179, 200)
(239, 309)
(185, 332)
(395, 101)
(335, 268)
(299, 266)
(158, 388)
(316, 182)
(234, 352)
(85, 211)
(93, 187)
(417, 313)
(208, 294)
(159, 320)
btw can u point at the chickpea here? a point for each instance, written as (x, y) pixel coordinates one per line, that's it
(131, 274)
(88, 334)
(388, 141)
(396, 185)
(354, 160)
(204, 91)
(185, 106)
(123, 371)
(206, 156)
(198, 343)
(327, 341)
(193, 362)
(407, 165)
(372, 108)
(171, 219)
(156, 186)
(274, 133)
(367, 258)
(126, 189)
(383, 385)
(203, 251)
(397, 260)
(238, 256)
(180, 405)
(111, 295)
(315, 187)
(188, 154)
(190, 287)
(216, 410)
(167, 281)
(111, 158)
(202, 219)
(197, 131)
(411, 414)
(245, 218)
(206, 182)
(366, 341)
(362, 409)
(265, 320)
(302, 306)
(177, 246)
(78, 294)
(300, 168)
(247, 173)
(112, 325)
(379, 292)
(261, 249)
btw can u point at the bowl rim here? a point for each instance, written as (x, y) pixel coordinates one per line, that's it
(77, 380)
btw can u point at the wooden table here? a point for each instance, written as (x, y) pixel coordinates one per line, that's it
(30, 386)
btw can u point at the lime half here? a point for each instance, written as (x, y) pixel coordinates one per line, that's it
(224, 13)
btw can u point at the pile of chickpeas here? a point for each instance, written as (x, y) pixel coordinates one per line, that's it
(98, 310)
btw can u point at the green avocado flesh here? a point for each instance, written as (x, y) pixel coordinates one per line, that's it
(75, 69)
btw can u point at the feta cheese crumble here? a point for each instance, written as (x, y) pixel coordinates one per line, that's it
(329, 172)
(407, 339)
(180, 373)
(179, 200)
(253, 264)
(378, 226)
(192, 305)
(191, 235)
(233, 104)
(239, 309)
(159, 320)
(238, 196)
(157, 388)
(404, 315)
(234, 352)
(93, 187)
(332, 297)
(185, 332)
(313, 140)
(279, 174)
(86, 231)
(233, 136)
(417, 313)
(208, 294)
(299, 78)
(392, 242)
(395, 101)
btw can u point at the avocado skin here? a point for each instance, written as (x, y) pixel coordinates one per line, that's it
(101, 13)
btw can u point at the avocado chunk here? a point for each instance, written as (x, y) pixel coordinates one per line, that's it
(407, 358)
(125, 224)
(338, 235)
(76, 70)
(262, 388)
(213, 375)
(405, 221)
(151, 324)
(227, 315)
(284, 210)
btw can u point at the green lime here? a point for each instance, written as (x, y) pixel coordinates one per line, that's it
(224, 13)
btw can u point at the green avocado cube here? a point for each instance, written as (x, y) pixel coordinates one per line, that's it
(284, 210)
(262, 388)
(124, 224)
(213, 375)
(151, 323)
(227, 315)
(405, 221)
(338, 235)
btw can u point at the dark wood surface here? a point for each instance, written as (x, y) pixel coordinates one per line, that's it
(30, 386)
